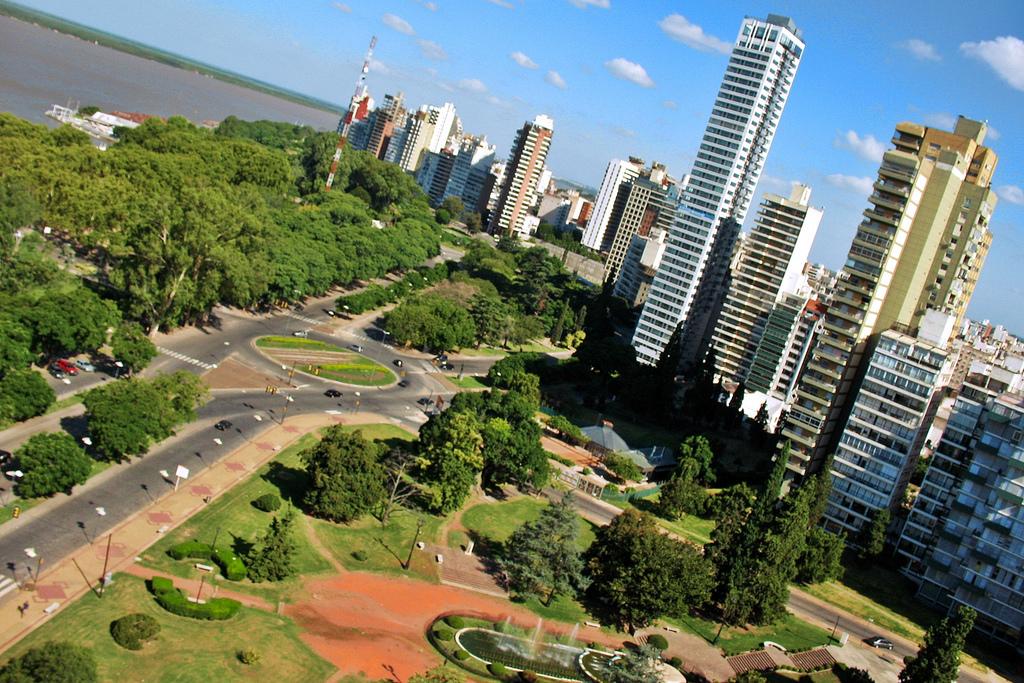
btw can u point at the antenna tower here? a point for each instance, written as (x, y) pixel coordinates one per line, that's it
(349, 116)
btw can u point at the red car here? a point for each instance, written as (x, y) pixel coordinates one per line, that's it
(65, 366)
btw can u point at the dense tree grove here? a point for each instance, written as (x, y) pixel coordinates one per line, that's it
(179, 218)
(346, 477)
(52, 462)
(938, 660)
(51, 662)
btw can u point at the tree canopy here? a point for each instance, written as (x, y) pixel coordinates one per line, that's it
(52, 462)
(346, 477)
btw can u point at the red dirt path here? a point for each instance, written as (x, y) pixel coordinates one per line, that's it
(376, 624)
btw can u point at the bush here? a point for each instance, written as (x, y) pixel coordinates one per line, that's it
(444, 634)
(848, 674)
(175, 602)
(527, 677)
(461, 655)
(675, 661)
(268, 502)
(497, 669)
(231, 566)
(359, 555)
(658, 641)
(455, 621)
(501, 626)
(133, 630)
(248, 656)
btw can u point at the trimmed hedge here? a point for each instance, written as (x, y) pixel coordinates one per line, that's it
(444, 634)
(133, 630)
(658, 641)
(175, 602)
(497, 669)
(461, 655)
(231, 565)
(455, 621)
(268, 502)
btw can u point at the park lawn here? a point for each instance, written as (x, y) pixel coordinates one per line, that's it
(690, 527)
(496, 521)
(274, 342)
(496, 351)
(790, 632)
(186, 650)
(384, 548)
(467, 382)
(563, 608)
(240, 524)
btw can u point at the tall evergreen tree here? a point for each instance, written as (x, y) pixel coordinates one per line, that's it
(271, 558)
(938, 661)
(871, 539)
(559, 327)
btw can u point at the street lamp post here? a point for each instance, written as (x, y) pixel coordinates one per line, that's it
(119, 365)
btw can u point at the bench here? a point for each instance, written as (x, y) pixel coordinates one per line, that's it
(53, 607)
(671, 629)
(440, 558)
(203, 567)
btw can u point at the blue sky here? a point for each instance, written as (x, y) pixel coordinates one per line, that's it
(637, 77)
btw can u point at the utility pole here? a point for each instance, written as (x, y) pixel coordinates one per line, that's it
(412, 546)
(106, 560)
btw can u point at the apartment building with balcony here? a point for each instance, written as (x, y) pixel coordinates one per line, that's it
(920, 246)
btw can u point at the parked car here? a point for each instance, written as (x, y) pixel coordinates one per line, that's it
(425, 401)
(56, 371)
(357, 348)
(880, 642)
(300, 333)
(66, 366)
(404, 383)
(398, 362)
(441, 357)
(331, 312)
(223, 425)
(332, 393)
(85, 365)
(5, 457)
(446, 366)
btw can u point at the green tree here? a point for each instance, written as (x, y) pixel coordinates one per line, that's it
(431, 322)
(24, 393)
(681, 494)
(52, 662)
(472, 221)
(542, 558)
(71, 321)
(823, 557)
(512, 454)
(132, 347)
(18, 208)
(639, 574)
(51, 462)
(559, 327)
(698, 449)
(622, 466)
(637, 665)
(15, 344)
(346, 477)
(938, 661)
(736, 499)
(871, 539)
(453, 205)
(450, 456)
(759, 432)
(271, 559)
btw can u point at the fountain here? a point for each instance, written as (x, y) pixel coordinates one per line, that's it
(574, 632)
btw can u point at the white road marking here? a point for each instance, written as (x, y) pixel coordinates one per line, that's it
(187, 359)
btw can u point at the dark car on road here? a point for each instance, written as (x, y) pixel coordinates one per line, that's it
(880, 642)
(332, 393)
(398, 362)
(404, 383)
(223, 425)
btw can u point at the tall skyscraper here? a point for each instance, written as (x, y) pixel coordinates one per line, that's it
(771, 264)
(611, 198)
(524, 167)
(650, 202)
(384, 119)
(732, 153)
(428, 130)
(921, 245)
(470, 170)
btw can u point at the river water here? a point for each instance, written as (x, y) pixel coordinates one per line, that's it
(40, 67)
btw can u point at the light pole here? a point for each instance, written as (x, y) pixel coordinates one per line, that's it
(287, 401)
(119, 365)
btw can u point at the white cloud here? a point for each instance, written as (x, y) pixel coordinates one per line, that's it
(993, 133)
(398, 23)
(502, 3)
(523, 60)
(677, 27)
(342, 6)
(583, 4)
(867, 147)
(670, 104)
(432, 6)
(861, 186)
(940, 119)
(379, 67)
(472, 85)
(920, 49)
(770, 183)
(554, 78)
(629, 71)
(1005, 55)
(432, 50)
(1011, 193)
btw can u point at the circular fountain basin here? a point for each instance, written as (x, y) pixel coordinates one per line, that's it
(552, 660)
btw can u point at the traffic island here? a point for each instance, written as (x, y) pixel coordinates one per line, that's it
(326, 361)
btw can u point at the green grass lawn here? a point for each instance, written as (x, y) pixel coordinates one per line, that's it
(467, 382)
(384, 548)
(186, 650)
(690, 527)
(496, 521)
(66, 402)
(239, 523)
(351, 368)
(791, 633)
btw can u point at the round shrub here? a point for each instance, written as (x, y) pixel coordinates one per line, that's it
(497, 669)
(501, 626)
(133, 630)
(248, 656)
(675, 661)
(455, 621)
(461, 655)
(359, 555)
(657, 641)
(268, 502)
(444, 634)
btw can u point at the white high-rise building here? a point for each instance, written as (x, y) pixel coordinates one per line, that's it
(617, 177)
(524, 167)
(732, 154)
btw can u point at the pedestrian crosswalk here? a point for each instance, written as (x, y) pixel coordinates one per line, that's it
(7, 585)
(187, 359)
(305, 319)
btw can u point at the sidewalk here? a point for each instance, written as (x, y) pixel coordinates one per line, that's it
(62, 583)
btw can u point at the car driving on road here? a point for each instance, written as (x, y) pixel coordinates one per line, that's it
(357, 348)
(332, 393)
(880, 642)
(300, 333)
(223, 425)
